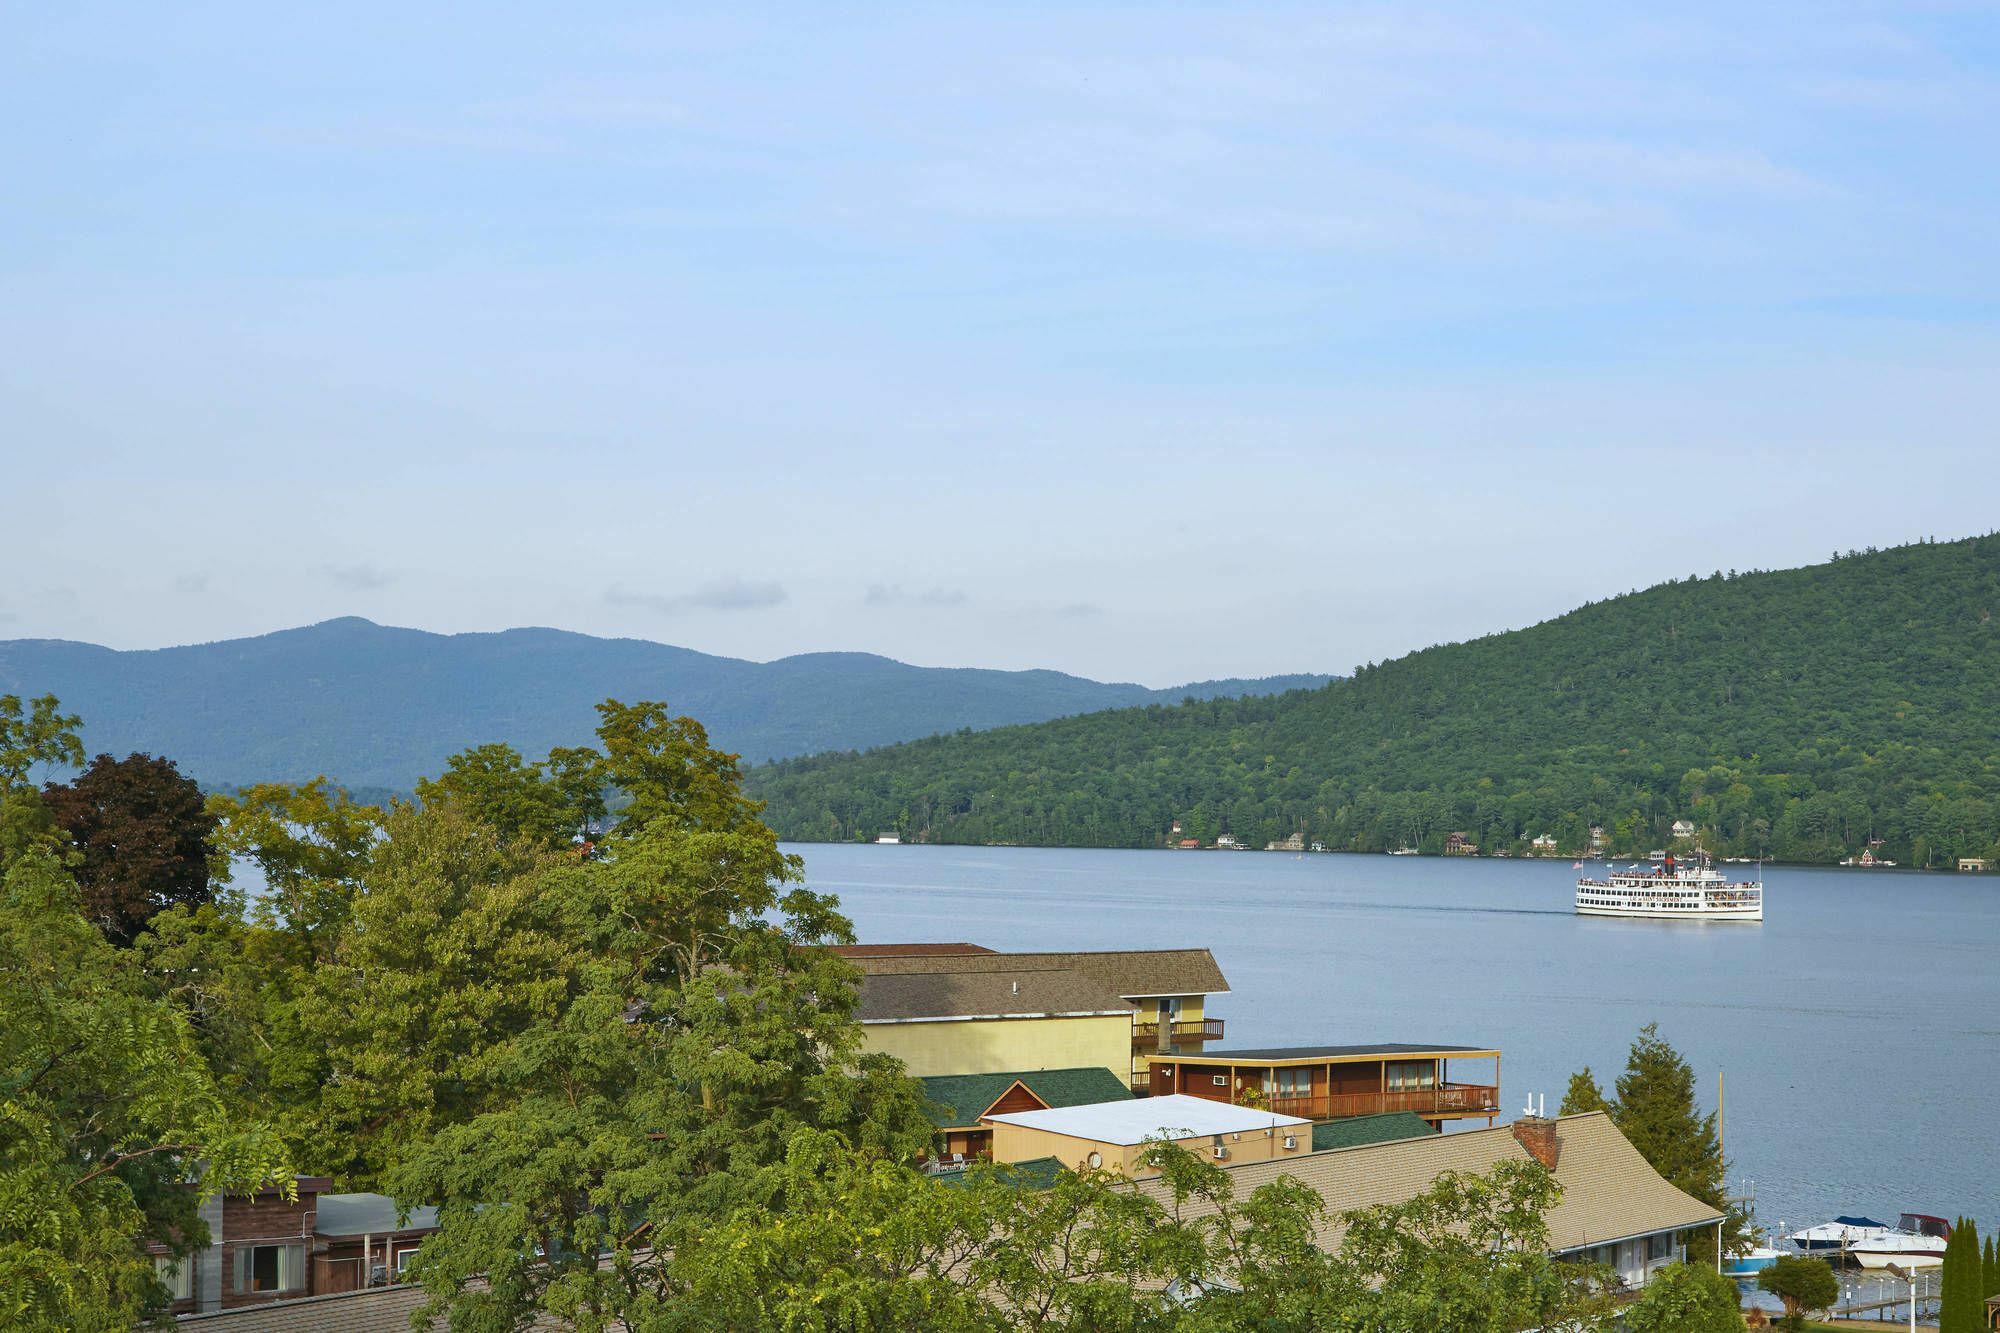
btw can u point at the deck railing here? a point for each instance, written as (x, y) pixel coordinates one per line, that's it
(1448, 1099)
(1200, 1029)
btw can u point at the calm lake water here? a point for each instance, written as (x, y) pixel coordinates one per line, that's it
(1858, 1027)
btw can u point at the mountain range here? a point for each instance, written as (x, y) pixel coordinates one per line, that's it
(1812, 714)
(376, 707)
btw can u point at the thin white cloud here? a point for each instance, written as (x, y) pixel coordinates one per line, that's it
(362, 577)
(723, 595)
(1625, 162)
(895, 594)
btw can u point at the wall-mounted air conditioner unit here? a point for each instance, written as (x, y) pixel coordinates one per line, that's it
(1221, 1153)
(1221, 1080)
(1291, 1141)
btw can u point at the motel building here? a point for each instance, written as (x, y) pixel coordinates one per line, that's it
(1335, 1082)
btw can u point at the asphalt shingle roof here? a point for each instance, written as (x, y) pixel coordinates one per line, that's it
(1128, 972)
(379, 1310)
(1609, 1190)
(1015, 994)
(965, 1097)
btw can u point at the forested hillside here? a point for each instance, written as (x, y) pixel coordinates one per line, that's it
(1798, 713)
(374, 706)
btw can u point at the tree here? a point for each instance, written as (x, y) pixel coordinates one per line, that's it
(1656, 1110)
(516, 799)
(141, 835)
(455, 949)
(1962, 1296)
(311, 843)
(1583, 1095)
(666, 769)
(107, 1117)
(699, 1025)
(1990, 1269)
(1686, 1298)
(37, 737)
(1803, 1284)
(34, 738)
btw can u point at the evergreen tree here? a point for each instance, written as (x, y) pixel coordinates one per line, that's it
(1656, 1110)
(1583, 1095)
(1991, 1268)
(1962, 1300)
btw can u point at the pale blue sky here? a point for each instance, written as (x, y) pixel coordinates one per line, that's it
(1148, 342)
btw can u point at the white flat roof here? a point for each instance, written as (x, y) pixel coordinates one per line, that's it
(1135, 1120)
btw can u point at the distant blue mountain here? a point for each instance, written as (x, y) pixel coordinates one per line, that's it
(375, 706)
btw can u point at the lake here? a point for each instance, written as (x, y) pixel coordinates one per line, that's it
(1858, 1026)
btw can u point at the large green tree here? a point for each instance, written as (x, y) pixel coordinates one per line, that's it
(141, 837)
(692, 1023)
(1655, 1107)
(549, 805)
(111, 1129)
(457, 946)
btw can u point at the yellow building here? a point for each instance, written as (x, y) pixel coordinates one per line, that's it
(989, 1022)
(1162, 994)
(1114, 1135)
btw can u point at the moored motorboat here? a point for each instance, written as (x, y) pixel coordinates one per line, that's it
(1916, 1241)
(1751, 1262)
(1840, 1234)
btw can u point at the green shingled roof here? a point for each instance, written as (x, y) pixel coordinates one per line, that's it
(962, 1098)
(1360, 1129)
(1037, 1173)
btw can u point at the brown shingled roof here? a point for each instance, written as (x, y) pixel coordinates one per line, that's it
(1127, 972)
(907, 997)
(376, 1310)
(1609, 1191)
(908, 950)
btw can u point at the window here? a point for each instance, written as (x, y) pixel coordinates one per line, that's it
(1659, 1247)
(1221, 1080)
(1411, 1075)
(176, 1275)
(1295, 1082)
(403, 1258)
(270, 1268)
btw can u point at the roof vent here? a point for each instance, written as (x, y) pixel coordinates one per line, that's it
(1017, 988)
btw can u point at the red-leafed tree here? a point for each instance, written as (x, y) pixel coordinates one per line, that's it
(142, 837)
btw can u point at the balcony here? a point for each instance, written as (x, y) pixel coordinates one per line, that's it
(1147, 1035)
(1448, 1100)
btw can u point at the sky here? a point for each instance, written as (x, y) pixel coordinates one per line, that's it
(1148, 342)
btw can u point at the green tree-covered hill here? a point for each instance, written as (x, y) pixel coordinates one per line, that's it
(374, 706)
(1798, 713)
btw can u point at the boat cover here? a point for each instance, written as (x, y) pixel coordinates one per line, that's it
(1861, 1222)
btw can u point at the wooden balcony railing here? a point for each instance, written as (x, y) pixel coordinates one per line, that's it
(1450, 1099)
(1200, 1029)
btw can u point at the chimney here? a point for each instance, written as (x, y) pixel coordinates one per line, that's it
(1538, 1135)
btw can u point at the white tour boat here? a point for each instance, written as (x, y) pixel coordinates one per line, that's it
(1686, 888)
